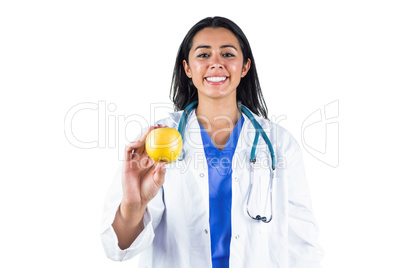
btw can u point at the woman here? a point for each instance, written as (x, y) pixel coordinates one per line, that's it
(201, 211)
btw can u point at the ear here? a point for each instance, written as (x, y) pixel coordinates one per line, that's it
(187, 69)
(246, 67)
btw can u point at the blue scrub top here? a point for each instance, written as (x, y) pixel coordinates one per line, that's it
(220, 194)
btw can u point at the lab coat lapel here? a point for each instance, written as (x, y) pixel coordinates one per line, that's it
(195, 155)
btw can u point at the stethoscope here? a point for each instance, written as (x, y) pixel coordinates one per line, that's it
(258, 131)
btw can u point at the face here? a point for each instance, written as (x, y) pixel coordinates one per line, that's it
(215, 63)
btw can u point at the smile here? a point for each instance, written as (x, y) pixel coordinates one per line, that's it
(216, 79)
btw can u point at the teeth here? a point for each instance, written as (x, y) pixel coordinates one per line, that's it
(216, 78)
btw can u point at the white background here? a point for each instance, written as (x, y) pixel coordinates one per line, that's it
(57, 54)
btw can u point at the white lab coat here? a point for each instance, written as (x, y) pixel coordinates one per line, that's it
(176, 233)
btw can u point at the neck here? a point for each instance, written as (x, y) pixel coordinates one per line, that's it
(218, 117)
(218, 112)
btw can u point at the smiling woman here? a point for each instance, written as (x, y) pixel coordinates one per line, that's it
(227, 208)
(216, 64)
(232, 44)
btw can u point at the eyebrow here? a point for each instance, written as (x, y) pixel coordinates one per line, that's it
(208, 47)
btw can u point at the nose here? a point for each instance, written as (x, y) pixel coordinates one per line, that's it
(216, 62)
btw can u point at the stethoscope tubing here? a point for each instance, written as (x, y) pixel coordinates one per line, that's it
(258, 131)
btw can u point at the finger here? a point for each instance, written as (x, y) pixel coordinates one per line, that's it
(159, 175)
(130, 149)
(138, 146)
(140, 162)
(143, 138)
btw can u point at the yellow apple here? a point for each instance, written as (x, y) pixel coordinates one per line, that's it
(164, 145)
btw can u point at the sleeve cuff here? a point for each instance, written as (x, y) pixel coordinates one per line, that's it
(144, 240)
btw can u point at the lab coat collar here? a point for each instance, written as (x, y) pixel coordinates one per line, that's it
(176, 117)
(246, 136)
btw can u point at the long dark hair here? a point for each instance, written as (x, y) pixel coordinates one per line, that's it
(183, 91)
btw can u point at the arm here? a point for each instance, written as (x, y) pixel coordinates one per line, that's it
(128, 224)
(127, 228)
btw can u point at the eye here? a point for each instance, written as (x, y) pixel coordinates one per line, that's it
(228, 55)
(202, 55)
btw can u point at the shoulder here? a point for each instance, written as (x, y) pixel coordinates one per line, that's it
(172, 120)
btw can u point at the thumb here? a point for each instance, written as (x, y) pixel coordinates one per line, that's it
(159, 176)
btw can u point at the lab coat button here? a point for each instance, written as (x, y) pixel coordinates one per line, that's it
(237, 236)
(236, 179)
(202, 175)
(206, 231)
